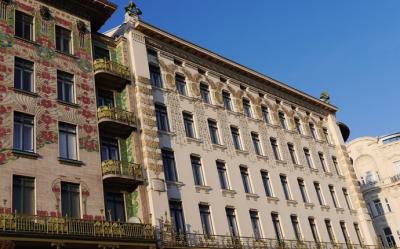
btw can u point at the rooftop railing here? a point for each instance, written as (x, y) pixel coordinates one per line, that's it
(112, 67)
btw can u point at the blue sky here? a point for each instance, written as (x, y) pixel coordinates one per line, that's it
(348, 48)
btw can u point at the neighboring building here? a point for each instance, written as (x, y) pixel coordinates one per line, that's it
(376, 162)
(233, 156)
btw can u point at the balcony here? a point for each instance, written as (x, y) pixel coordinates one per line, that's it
(122, 175)
(73, 232)
(110, 74)
(116, 122)
(381, 183)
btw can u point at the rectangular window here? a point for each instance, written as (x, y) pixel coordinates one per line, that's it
(23, 201)
(162, 117)
(155, 76)
(23, 132)
(70, 200)
(23, 25)
(189, 125)
(197, 171)
(322, 161)
(205, 217)
(267, 183)
(277, 226)
(109, 149)
(246, 107)
(65, 87)
(336, 165)
(282, 119)
(115, 206)
(303, 191)
(265, 114)
(312, 130)
(236, 138)
(345, 233)
(307, 155)
(213, 129)
(205, 93)
(256, 143)
(389, 237)
(378, 207)
(177, 218)
(296, 227)
(3, 10)
(169, 165)
(63, 40)
(226, 96)
(292, 153)
(285, 187)
(23, 75)
(101, 53)
(275, 148)
(326, 135)
(233, 228)
(329, 229)
(67, 141)
(255, 223)
(347, 198)
(298, 125)
(319, 193)
(314, 230)
(358, 233)
(333, 196)
(105, 98)
(223, 179)
(245, 179)
(180, 83)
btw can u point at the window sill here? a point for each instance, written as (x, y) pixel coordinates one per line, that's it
(252, 196)
(280, 162)
(219, 146)
(26, 154)
(353, 211)
(272, 199)
(185, 97)
(66, 54)
(340, 210)
(204, 188)
(299, 166)
(328, 173)
(73, 105)
(243, 152)
(32, 42)
(320, 141)
(166, 133)
(290, 131)
(332, 145)
(177, 184)
(291, 202)
(306, 136)
(341, 177)
(325, 207)
(231, 112)
(193, 140)
(72, 162)
(209, 105)
(262, 157)
(309, 205)
(32, 94)
(228, 192)
(314, 170)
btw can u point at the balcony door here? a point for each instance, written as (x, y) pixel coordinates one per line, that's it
(109, 149)
(105, 98)
(115, 206)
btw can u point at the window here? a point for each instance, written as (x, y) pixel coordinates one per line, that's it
(67, 141)
(180, 84)
(256, 143)
(236, 138)
(23, 75)
(285, 187)
(298, 125)
(389, 237)
(319, 193)
(336, 165)
(275, 148)
(322, 161)
(162, 117)
(329, 229)
(65, 87)
(303, 191)
(378, 207)
(23, 25)
(155, 76)
(23, 132)
(197, 171)
(205, 217)
(213, 128)
(205, 93)
(246, 107)
(3, 10)
(307, 155)
(23, 201)
(296, 227)
(255, 223)
(347, 198)
(265, 114)
(387, 205)
(313, 228)
(223, 179)
(169, 165)
(105, 98)
(358, 233)
(178, 220)
(282, 119)
(63, 40)
(70, 200)
(312, 130)
(189, 125)
(292, 153)
(277, 226)
(101, 53)
(245, 179)
(115, 206)
(333, 195)
(233, 228)
(267, 183)
(369, 178)
(345, 233)
(326, 135)
(109, 149)
(226, 97)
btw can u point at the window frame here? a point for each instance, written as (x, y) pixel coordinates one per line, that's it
(23, 22)
(162, 117)
(227, 101)
(308, 157)
(255, 224)
(303, 190)
(244, 174)
(285, 187)
(296, 227)
(222, 171)
(64, 33)
(298, 125)
(275, 148)
(63, 79)
(265, 114)
(318, 191)
(214, 131)
(170, 172)
(267, 183)
(188, 122)
(255, 138)
(246, 104)
(24, 189)
(24, 120)
(154, 70)
(205, 217)
(69, 209)
(282, 120)
(68, 129)
(205, 93)
(181, 85)
(236, 138)
(197, 170)
(25, 66)
(293, 154)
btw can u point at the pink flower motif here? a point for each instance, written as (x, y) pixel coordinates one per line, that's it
(88, 129)
(3, 89)
(46, 119)
(2, 157)
(85, 100)
(87, 114)
(46, 103)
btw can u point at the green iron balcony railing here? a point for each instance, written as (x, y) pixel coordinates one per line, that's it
(123, 168)
(106, 66)
(112, 113)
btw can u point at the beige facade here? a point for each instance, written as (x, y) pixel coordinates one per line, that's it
(376, 161)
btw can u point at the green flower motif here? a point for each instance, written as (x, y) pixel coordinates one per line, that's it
(84, 65)
(44, 52)
(6, 40)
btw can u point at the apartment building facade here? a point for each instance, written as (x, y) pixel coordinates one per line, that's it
(376, 161)
(235, 158)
